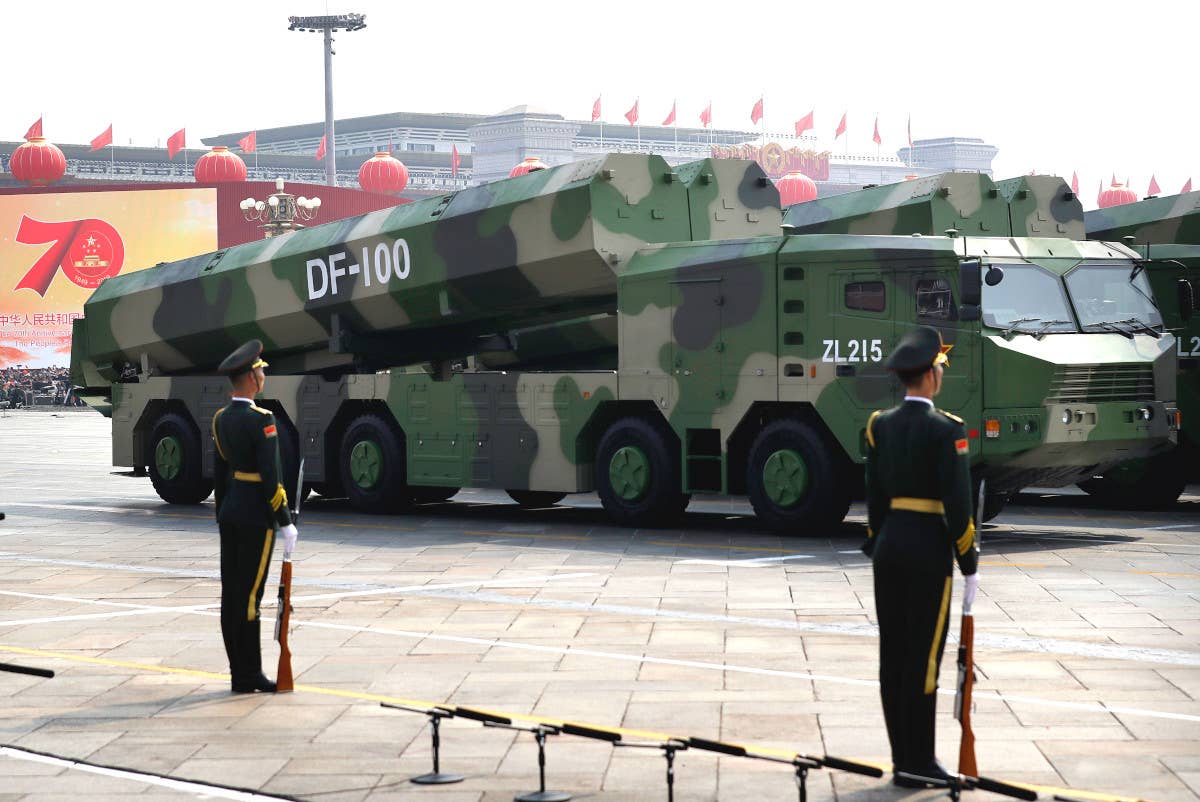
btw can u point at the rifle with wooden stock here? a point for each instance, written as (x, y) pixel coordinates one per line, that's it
(284, 682)
(962, 697)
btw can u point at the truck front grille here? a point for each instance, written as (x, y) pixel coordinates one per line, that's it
(1097, 383)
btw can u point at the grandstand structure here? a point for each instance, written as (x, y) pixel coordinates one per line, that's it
(489, 145)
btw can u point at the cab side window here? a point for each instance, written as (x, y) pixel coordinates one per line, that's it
(935, 301)
(868, 296)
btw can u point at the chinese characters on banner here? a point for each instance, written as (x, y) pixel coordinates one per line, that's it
(57, 247)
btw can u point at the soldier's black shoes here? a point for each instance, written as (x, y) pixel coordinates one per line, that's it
(933, 775)
(259, 683)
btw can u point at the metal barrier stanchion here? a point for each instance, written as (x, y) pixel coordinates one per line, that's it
(801, 764)
(435, 714)
(669, 747)
(540, 731)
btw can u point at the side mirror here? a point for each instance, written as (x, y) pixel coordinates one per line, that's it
(970, 287)
(1187, 298)
(994, 276)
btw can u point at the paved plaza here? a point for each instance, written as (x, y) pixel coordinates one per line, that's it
(1087, 645)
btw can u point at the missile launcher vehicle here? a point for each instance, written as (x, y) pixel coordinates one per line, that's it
(619, 326)
(1067, 343)
(1166, 232)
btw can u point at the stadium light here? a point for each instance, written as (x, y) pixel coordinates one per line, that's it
(327, 24)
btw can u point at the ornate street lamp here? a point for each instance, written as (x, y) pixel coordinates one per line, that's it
(280, 213)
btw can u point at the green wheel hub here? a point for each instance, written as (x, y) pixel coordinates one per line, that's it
(168, 457)
(629, 473)
(366, 464)
(785, 477)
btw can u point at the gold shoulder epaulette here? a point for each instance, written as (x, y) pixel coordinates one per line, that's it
(951, 416)
(260, 410)
(870, 423)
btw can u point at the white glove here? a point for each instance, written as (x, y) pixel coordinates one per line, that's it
(289, 534)
(969, 587)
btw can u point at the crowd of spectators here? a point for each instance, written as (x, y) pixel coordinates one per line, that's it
(21, 386)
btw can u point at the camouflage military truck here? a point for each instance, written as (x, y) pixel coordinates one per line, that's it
(1166, 231)
(618, 326)
(1060, 358)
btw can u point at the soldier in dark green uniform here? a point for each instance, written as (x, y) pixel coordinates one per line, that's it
(919, 521)
(251, 507)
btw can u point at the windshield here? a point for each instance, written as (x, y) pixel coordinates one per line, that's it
(1104, 295)
(1027, 299)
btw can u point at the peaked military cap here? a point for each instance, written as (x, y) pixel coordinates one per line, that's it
(920, 348)
(248, 356)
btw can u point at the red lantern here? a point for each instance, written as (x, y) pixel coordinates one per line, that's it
(1116, 195)
(38, 162)
(795, 187)
(219, 165)
(383, 173)
(527, 166)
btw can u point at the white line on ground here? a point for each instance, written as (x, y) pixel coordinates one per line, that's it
(1021, 535)
(1171, 526)
(753, 562)
(197, 788)
(1107, 651)
(711, 666)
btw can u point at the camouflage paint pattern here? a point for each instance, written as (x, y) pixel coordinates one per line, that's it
(1042, 206)
(966, 202)
(712, 336)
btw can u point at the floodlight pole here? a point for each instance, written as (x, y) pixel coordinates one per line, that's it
(330, 150)
(327, 24)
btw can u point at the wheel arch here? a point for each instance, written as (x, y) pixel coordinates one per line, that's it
(763, 413)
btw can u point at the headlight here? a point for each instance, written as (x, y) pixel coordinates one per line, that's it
(1066, 416)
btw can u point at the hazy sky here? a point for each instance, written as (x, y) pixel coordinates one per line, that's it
(1098, 87)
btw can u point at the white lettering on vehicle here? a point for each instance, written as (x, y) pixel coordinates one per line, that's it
(855, 351)
(1193, 343)
(378, 265)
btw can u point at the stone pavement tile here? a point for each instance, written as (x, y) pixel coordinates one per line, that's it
(606, 633)
(690, 634)
(791, 731)
(680, 716)
(743, 643)
(140, 753)
(584, 705)
(67, 743)
(1110, 620)
(1159, 729)
(687, 676)
(643, 771)
(251, 772)
(399, 789)
(747, 780)
(342, 787)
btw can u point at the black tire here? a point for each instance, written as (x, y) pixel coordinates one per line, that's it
(657, 500)
(176, 461)
(1155, 483)
(793, 482)
(536, 498)
(432, 494)
(993, 505)
(380, 466)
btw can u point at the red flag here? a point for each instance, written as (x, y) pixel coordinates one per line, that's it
(104, 139)
(1154, 188)
(249, 142)
(176, 142)
(596, 110)
(841, 129)
(805, 123)
(670, 117)
(632, 114)
(321, 148)
(756, 112)
(706, 115)
(875, 137)
(34, 130)
(1186, 187)
(455, 160)
(1075, 183)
